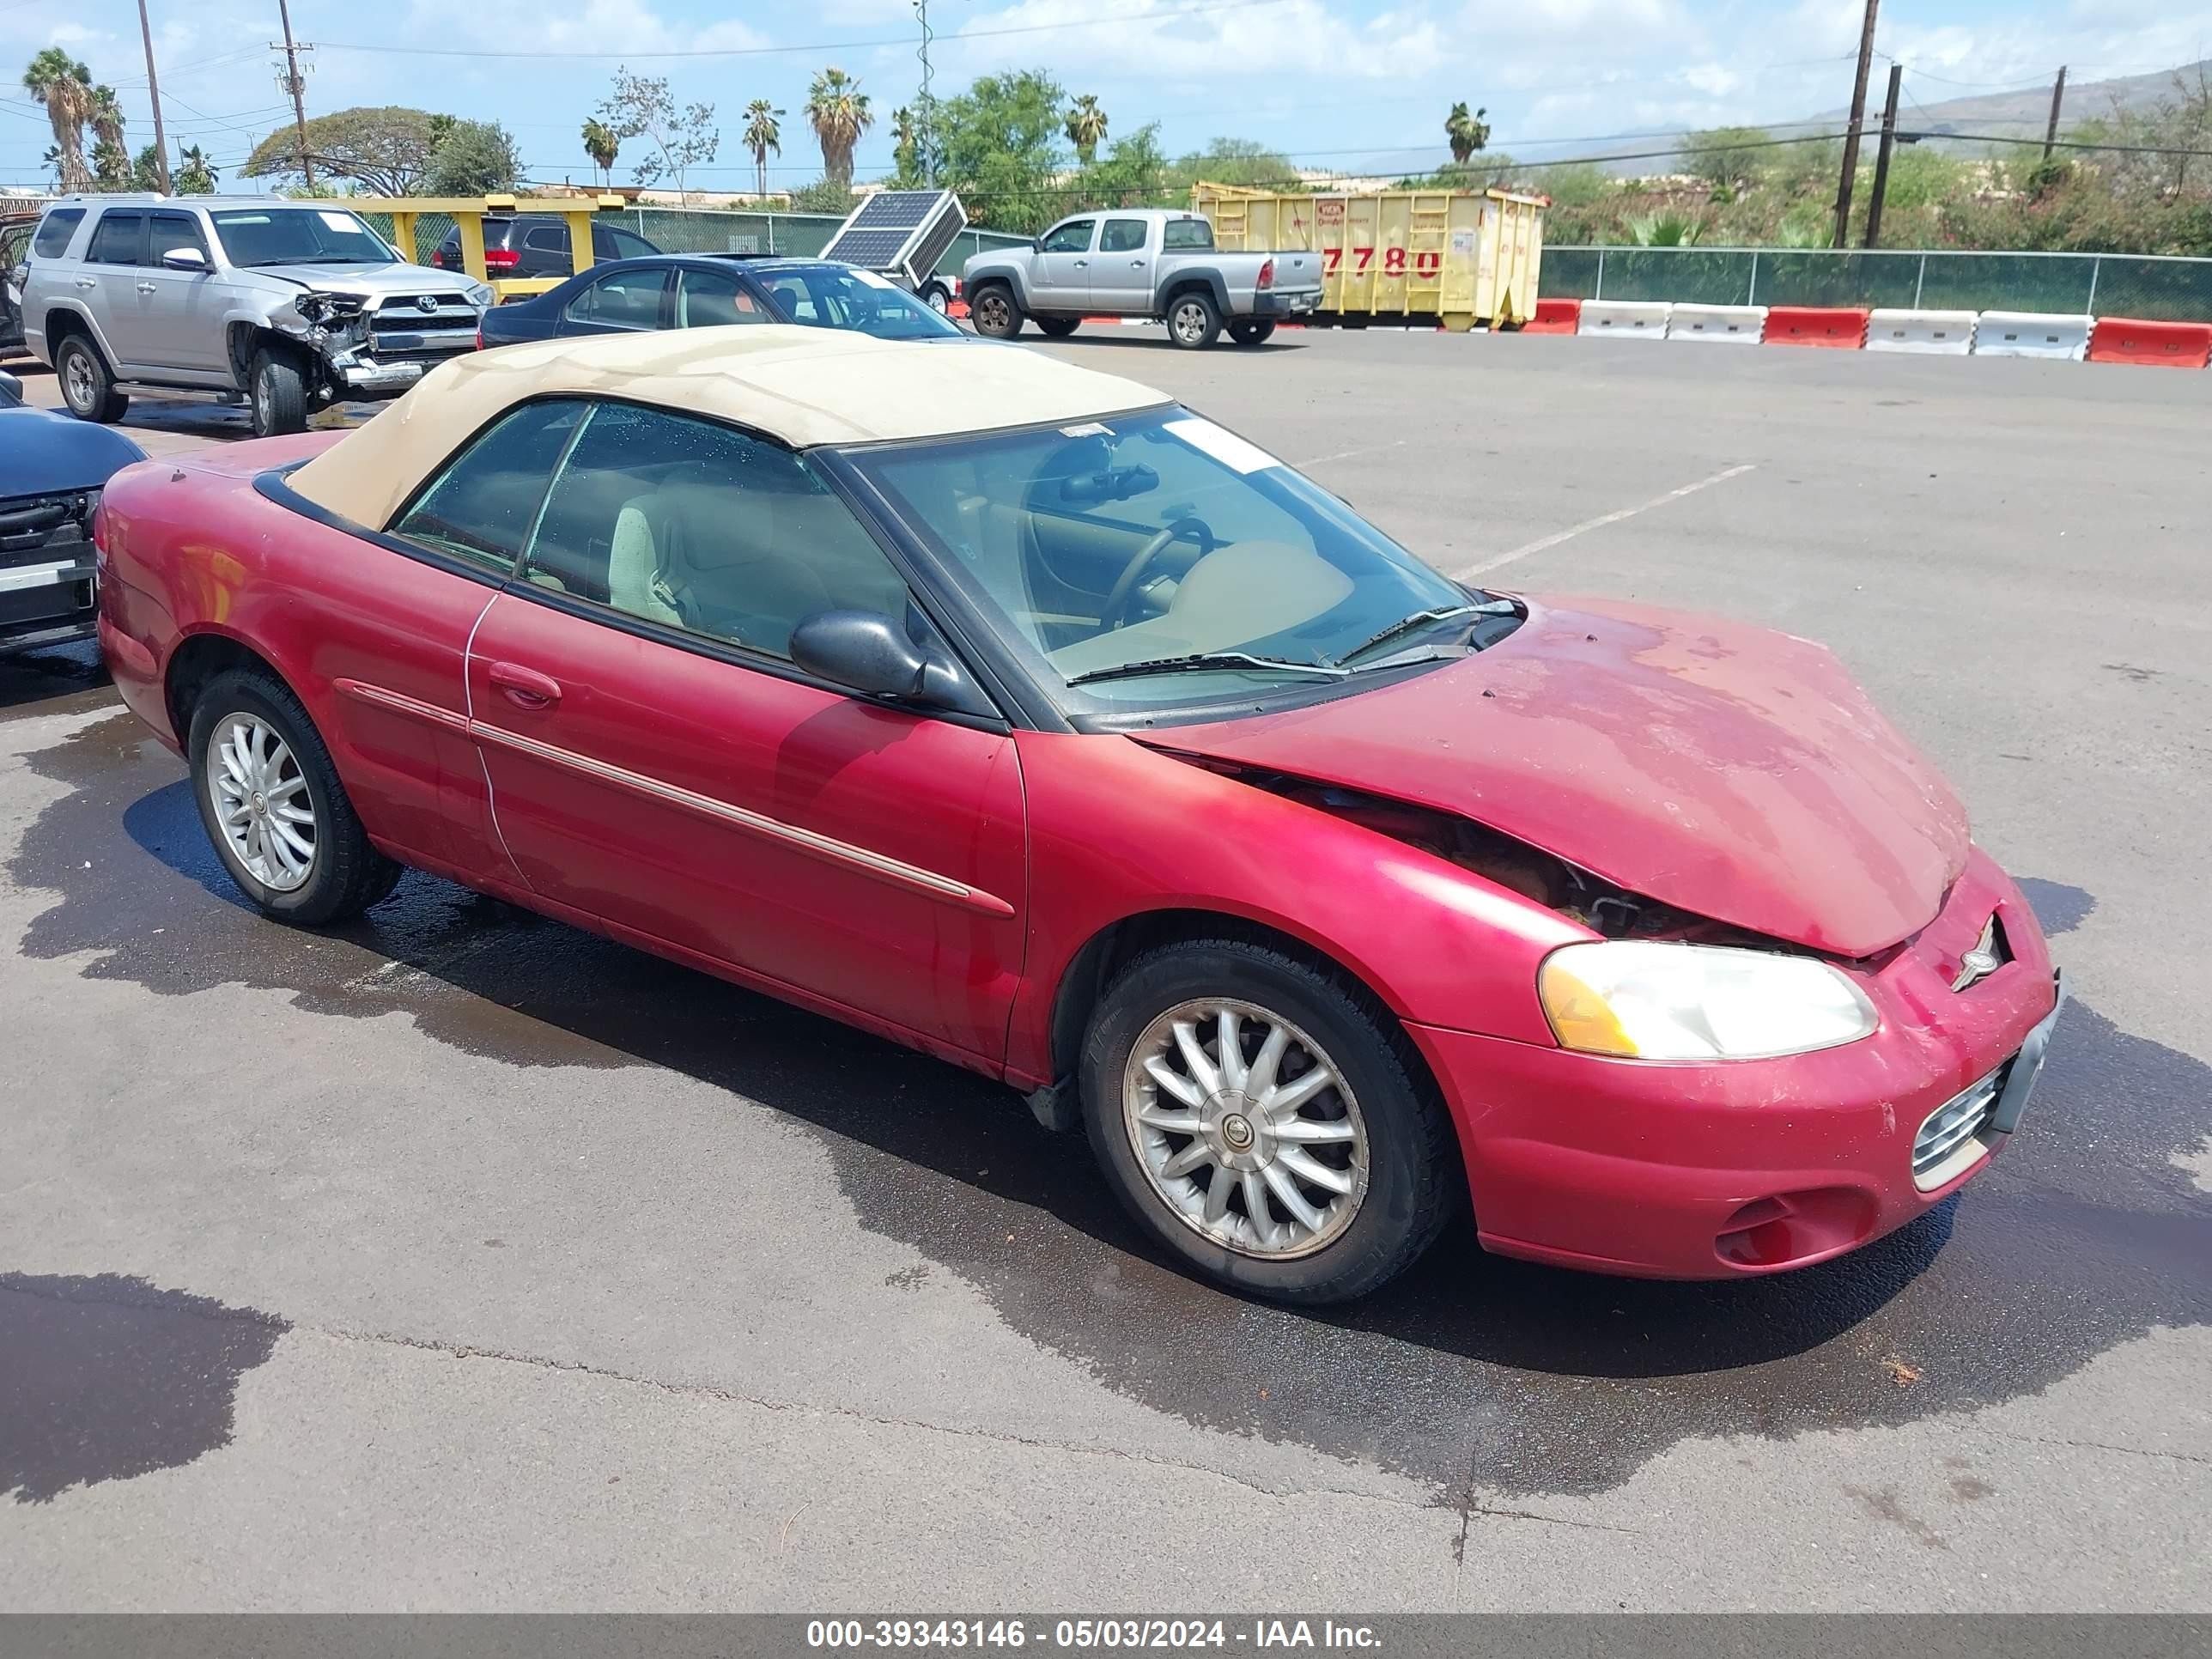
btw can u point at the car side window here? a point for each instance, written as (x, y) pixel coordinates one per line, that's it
(547, 238)
(623, 299)
(1187, 233)
(483, 505)
(173, 230)
(628, 247)
(115, 239)
(713, 299)
(694, 525)
(1122, 236)
(1074, 237)
(55, 231)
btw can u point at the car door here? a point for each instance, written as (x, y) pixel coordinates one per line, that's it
(1122, 271)
(1062, 267)
(716, 299)
(658, 764)
(15, 249)
(546, 251)
(107, 280)
(180, 313)
(622, 302)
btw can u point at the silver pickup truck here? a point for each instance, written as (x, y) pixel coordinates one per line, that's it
(1139, 263)
(291, 304)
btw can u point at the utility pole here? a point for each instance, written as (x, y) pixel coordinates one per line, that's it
(297, 88)
(2057, 99)
(1851, 137)
(1882, 157)
(153, 92)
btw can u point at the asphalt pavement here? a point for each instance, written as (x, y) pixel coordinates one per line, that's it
(457, 1260)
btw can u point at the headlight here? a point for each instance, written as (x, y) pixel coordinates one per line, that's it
(1661, 1001)
(481, 295)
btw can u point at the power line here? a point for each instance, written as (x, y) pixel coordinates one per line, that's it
(1167, 15)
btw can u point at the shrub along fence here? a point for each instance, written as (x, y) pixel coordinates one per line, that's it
(2152, 287)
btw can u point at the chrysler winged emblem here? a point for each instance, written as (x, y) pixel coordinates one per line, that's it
(1981, 961)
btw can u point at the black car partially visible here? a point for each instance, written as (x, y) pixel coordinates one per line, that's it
(52, 471)
(14, 248)
(537, 245)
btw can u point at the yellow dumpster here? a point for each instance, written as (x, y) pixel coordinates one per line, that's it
(1454, 257)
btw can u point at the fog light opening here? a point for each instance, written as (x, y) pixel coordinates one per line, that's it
(1786, 1228)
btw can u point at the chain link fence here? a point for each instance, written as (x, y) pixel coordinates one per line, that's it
(2157, 290)
(704, 230)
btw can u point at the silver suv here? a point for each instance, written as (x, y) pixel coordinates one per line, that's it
(291, 304)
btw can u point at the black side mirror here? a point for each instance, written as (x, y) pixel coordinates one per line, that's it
(866, 651)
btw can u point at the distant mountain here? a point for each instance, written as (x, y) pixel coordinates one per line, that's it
(2025, 113)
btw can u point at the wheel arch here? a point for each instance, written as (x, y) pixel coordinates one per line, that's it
(195, 663)
(245, 336)
(1207, 281)
(61, 322)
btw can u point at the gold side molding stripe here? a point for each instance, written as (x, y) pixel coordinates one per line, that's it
(362, 691)
(806, 840)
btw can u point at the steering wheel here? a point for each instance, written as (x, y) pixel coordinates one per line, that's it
(1116, 614)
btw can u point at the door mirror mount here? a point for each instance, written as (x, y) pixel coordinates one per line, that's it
(184, 259)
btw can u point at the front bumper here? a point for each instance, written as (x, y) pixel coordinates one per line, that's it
(1276, 305)
(359, 375)
(46, 602)
(1710, 1170)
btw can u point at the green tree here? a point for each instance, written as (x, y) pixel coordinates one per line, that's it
(1133, 173)
(603, 144)
(906, 149)
(474, 158)
(386, 151)
(1232, 161)
(1086, 127)
(683, 137)
(63, 86)
(823, 195)
(111, 156)
(1001, 142)
(195, 175)
(838, 111)
(1726, 158)
(1465, 133)
(762, 136)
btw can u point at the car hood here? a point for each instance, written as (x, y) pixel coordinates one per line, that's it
(371, 280)
(1727, 770)
(42, 451)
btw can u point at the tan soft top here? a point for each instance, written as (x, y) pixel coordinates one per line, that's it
(804, 385)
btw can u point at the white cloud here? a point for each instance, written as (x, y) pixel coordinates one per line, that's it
(1161, 39)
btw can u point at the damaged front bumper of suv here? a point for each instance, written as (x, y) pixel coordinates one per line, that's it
(378, 347)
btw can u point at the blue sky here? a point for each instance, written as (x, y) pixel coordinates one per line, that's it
(1344, 84)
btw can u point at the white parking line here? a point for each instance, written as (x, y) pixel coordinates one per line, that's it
(1546, 543)
(1346, 454)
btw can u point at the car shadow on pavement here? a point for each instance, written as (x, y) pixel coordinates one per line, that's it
(2086, 1234)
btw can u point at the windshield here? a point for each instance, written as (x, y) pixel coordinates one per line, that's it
(299, 236)
(845, 296)
(1141, 539)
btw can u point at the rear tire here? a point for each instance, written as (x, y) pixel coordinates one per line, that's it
(278, 393)
(1250, 333)
(994, 312)
(272, 806)
(935, 296)
(1194, 321)
(1059, 328)
(88, 388)
(1370, 1156)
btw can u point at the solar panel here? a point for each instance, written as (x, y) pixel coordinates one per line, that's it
(906, 231)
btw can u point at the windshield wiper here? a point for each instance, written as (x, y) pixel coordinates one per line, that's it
(1423, 618)
(1207, 662)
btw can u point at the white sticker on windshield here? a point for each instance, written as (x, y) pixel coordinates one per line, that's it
(335, 220)
(1225, 446)
(1088, 430)
(871, 278)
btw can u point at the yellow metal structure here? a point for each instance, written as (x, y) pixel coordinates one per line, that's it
(1457, 257)
(468, 213)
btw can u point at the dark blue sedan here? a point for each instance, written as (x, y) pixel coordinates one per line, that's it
(707, 290)
(52, 471)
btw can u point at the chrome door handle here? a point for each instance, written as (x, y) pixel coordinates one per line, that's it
(1136, 264)
(149, 287)
(1083, 265)
(87, 282)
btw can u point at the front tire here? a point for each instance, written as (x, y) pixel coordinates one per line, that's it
(992, 310)
(1251, 333)
(88, 388)
(272, 806)
(1059, 328)
(278, 394)
(1193, 323)
(1311, 1167)
(935, 296)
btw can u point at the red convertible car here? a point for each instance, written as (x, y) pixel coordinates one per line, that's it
(1012, 712)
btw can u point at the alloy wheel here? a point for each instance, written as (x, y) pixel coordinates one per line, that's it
(76, 381)
(993, 312)
(1190, 322)
(1245, 1129)
(262, 802)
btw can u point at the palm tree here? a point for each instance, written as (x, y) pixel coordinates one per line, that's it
(762, 136)
(838, 111)
(1467, 133)
(1086, 127)
(906, 144)
(111, 156)
(64, 87)
(602, 143)
(196, 174)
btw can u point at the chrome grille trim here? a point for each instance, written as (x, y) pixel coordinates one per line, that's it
(1949, 1143)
